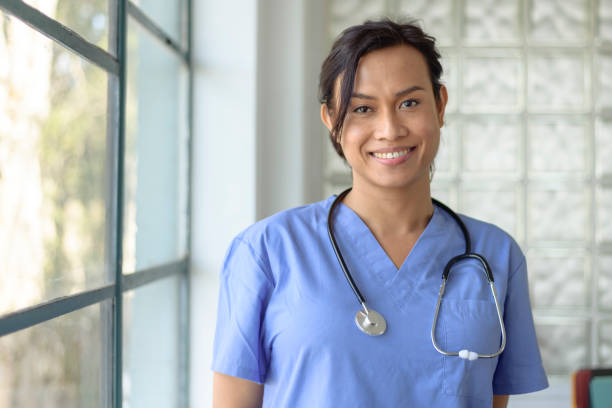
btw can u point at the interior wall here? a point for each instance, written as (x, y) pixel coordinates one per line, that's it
(279, 106)
(290, 46)
(257, 137)
(223, 171)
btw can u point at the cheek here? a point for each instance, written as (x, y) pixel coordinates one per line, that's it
(430, 134)
(434, 136)
(353, 137)
(435, 141)
(430, 128)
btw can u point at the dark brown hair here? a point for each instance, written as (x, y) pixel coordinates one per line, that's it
(354, 43)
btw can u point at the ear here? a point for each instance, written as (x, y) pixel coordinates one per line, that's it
(441, 104)
(326, 117)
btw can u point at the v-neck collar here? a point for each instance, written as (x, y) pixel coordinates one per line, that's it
(362, 235)
(366, 251)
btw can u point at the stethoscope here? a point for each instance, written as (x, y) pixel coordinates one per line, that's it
(371, 322)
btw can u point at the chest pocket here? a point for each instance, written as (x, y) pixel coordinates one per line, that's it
(471, 325)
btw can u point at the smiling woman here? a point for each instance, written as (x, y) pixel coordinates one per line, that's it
(286, 334)
(393, 119)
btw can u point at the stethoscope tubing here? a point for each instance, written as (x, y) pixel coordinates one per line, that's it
(468, 254)
(499, 318)
(332, 238)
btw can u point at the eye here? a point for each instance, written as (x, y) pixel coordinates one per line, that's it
(409, 103)
(362, 109)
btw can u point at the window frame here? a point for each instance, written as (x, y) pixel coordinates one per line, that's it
(115, 67)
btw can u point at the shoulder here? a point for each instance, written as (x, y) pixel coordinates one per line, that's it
(281, 232)
(285, 224)
(271, 241)
(486, 230)
(491, 240)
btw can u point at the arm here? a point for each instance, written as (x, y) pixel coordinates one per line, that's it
(234, 392)
(240, 357)
(519, 368)
(500, 401)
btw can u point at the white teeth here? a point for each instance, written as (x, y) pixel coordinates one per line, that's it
(391, 155)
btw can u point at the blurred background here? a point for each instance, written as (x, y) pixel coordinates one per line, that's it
(138, 137)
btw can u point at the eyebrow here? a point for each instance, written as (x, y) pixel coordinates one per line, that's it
(398, 94)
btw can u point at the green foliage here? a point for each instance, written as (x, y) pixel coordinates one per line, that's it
(73, 154)
(88, 18)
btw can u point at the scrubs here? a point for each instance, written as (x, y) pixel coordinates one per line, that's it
(286, 315)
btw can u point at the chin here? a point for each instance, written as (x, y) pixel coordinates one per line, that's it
(402, 182)
(395, 184)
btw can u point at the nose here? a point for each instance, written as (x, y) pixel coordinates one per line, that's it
(389, 126)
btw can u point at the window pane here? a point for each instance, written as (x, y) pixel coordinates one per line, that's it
(492, 144)
(150, 345)
(89, 19)
(167, 15)
(556, 81)
(564, 347)
(558, 278)
(492, 81)
(58, 363)
(549, 141)
(604, 284)
(156, 153)
(498, 205)
(487, 20)
(344, 13)
(605, 343)
(569, 205)
(52, 169)
(435, 15)
(554, 22)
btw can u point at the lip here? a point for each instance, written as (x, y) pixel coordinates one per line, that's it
(393, 149)
(394, 161)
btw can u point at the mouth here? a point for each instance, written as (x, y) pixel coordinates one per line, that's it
(393, 156)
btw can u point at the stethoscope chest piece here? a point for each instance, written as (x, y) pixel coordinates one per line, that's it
(372, 323)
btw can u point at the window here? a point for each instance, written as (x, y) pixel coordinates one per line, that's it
(95, 113)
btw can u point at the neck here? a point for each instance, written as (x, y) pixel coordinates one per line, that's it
(392, 212)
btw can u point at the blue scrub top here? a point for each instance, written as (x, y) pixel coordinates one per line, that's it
(286, 315)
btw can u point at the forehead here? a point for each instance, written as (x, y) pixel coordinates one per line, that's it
(397, 66)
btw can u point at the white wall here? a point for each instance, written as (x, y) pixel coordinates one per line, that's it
(223, 188)
(257, 136)
(291, 47)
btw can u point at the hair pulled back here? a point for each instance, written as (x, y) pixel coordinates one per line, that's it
(352, 44)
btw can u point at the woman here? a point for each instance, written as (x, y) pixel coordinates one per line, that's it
(286, 333)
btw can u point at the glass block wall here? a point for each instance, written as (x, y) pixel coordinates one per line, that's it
(527, 145)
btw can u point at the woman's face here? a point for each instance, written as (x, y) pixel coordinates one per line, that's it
(392, 128)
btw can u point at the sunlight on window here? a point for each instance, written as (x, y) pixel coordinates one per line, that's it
(52, 206)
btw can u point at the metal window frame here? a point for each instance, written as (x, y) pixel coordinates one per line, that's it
(40, 313)
(62, 34)
(115, 66)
